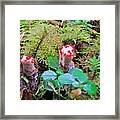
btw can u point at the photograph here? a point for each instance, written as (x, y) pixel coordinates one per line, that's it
(59, 59)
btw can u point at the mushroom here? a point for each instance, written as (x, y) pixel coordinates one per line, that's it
(28, 65)
(66, 57)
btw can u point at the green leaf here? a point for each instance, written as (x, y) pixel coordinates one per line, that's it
(76, 71)
(49, 75)
(66, 79)
(82, 77)
(53, 62)
(94, 64)
(47, 86)
(76, 84)
(60, 72)
(90, 88)
(79, 75)
(56, 83)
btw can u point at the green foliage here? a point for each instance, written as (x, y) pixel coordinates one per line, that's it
(93, 45)
(30, 42)
(41, 90)
(76, 34)
(75, 77)
(41, 39)
(24, 25)
(53, 62)
(49, 45)
(47, 86)
(66, 79)
(76, 84)
(56, 83)
(90, 88)
(80, 22)
(79, 75)
(69, 33)
(49, 75)
(94, 64)
(60, 72)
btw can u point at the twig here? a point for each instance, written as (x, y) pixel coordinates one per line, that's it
(44, 35)
(52, 86)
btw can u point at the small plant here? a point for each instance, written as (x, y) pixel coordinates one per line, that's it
(74, 79)
(94, 65)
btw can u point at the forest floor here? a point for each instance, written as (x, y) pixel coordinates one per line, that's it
(41, 40)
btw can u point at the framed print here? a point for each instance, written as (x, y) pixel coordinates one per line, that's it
(60, 59)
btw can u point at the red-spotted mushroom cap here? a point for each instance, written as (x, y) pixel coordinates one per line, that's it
(27, 59)
(67, 51)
